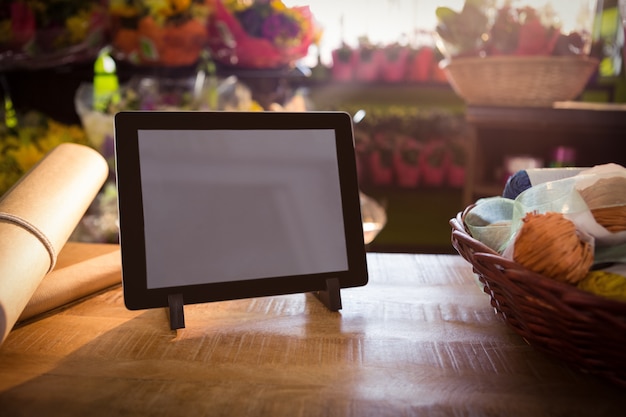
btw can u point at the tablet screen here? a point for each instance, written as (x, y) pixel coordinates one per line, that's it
(264, 203)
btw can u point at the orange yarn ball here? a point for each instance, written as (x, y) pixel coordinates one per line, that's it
(550, 245)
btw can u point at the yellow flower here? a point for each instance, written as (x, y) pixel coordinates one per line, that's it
(26, 156)
(49, 142)
(237, 5)
(167, 8)
(9, 142)
(180, 5)
(123, 8)
(59, 133)
(78, 26)
(255, 106)
(36, 136)
(278, 5)
(6, 34)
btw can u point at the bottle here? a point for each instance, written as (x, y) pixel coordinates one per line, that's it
(105, 81)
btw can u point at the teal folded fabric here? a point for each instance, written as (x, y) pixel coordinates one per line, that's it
(495, 221)
(489, 221)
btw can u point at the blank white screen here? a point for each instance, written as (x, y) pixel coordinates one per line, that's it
(225, 205)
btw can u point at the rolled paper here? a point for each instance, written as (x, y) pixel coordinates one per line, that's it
(37, 216)
(82, 269)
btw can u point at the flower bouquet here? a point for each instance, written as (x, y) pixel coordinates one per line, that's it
(514, 55)
(263, 34)
(168, 32)
(513, 30)
(38, 34)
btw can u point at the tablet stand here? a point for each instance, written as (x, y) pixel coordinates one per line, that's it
(177, 314)
(331, 296)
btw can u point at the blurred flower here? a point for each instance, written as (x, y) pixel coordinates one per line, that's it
(272, 21)
(162, 11)
(163, 32)
(481, 29)
(25, 145)
(40, 33)
(262, 33)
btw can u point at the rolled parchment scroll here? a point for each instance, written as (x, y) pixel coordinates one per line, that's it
(82, 269)
(37, 216)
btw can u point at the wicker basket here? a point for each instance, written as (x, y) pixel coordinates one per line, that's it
(586, 331)
(533, 81)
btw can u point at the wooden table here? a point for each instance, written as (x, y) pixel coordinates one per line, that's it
(419, 339)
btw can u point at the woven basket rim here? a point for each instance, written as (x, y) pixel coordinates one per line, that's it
(513, 80)
(517, 59)
(573, 294)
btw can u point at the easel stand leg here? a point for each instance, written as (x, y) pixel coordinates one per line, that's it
(177, 314)
(331, 297)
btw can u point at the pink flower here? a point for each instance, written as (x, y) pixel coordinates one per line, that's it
(22, 22)
(535, 39)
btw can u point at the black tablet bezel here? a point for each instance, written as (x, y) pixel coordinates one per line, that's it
(137, 295)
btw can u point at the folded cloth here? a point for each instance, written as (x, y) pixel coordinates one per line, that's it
(526, 178)
(495, 221)
(81, 269)
(516, 184)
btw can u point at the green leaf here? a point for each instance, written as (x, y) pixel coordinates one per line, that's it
(445, 14)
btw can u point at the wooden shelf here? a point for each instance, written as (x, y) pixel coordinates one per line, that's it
(333, 94)
(594, 130)
(486, 190)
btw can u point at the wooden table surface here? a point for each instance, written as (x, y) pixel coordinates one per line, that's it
(419, 339)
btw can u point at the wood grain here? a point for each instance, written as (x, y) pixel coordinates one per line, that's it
(419, 339)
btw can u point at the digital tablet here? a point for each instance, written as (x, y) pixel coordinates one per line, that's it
(226, 205)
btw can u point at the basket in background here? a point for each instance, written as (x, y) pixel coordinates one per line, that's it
(585, 330)
(532, 81)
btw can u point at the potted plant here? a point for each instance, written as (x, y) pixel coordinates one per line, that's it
(420, 64)
(394, 63)
(456, 167)
(437, 74)
(367, 63)
(505, 55)
(406, 161)
(381, 157)
(343, 63)
(434, 162)
(362, 149)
